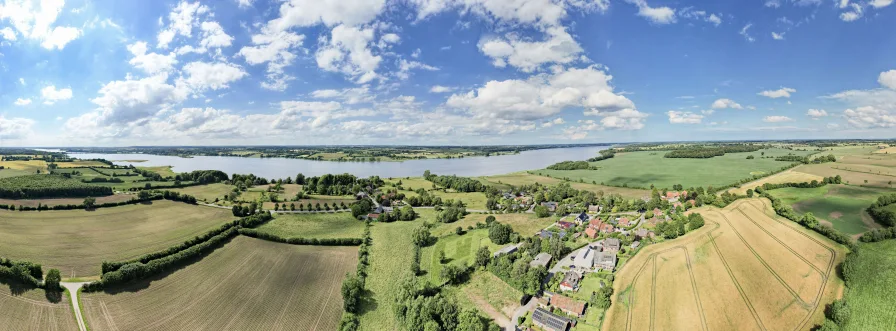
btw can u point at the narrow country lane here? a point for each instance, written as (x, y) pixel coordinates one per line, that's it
(73, 293)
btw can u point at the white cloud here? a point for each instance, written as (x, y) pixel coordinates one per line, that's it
(22, 102)
(244, 3)
(776, 119)
(127, 101)
(348, 52)
(201, 76)
(778, 36)
(816, 113)
(22, 81)
(51, 95)
(528, 56)
(349, 95)
(684, 117)
(181, 21)
(37, 23)
(693, 14)
(440, 89)
(773, 3)
(888, 79)
(405, 67)
(783, 92)
(15, 127)
(556, 121)
(151, 63)
(538, 13)
(213, 36)
(880, 3)
(305, 13)
(656, 15)
(273, 48)
(870, 117)
(726, 103)
(707, 111)
(714, 19)
(545, 95)
(746, 34)
(855, 12)
(8, 34)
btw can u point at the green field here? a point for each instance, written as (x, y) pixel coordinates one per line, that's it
(324, 225)
(459, 250)
(489, 294)
(165, 171)
(525, 224)
(641, 169)
(523, 178)
(841, 205)
(76, 241)
(872, 294)
(391, 255)
(247, 284)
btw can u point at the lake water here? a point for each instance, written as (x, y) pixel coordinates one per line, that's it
(282, 167)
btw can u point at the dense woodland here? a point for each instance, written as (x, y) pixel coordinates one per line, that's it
(48, 186)
(459, 184)
(572, 165)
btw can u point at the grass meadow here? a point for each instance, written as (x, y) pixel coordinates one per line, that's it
(522, 178)
(871, 295)
(30, 309)
(247, 284)
(842, 206)
(76, 241)
(489, 294)
(391, 255)
(207, 193)
(324, 225)
(523, 223)
(746, 269)
(641, 169)
(459, 250)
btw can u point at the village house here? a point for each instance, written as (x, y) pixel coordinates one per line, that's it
(584, 259)
(635, 244)
(582, 218)
(541, 260)
(570, 281)
(551, 206)
(642, 233)
(591, 232)
(545, 234)
(568, 305)
(624, 222)
(566, 225)
(594, 209)
(548, 321)
(506, 250)
(612, 245)
(361, 195)
(605, 260)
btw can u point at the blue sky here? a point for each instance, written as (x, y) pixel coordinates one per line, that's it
(114, 73)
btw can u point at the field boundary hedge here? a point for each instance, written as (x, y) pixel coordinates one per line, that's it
(354, 286)
(24, 271)
(300, 240)
(160, 195)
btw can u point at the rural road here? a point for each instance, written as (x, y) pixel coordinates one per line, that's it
(520, 311)
(73, 292)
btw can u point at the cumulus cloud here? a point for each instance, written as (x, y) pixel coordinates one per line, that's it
(745, 32)
(126, 101)
(347, 51)
(213, 36)
(778, 36)
(656, 15)
(559, 47)
(544, 95)
(305, 13)
(870, 117)
(556, 121)
(856, 12)
(888, 79)
(273, 48)
(201, 76)
(783, 92)
(22, 102)
(151, 63)
(350, 96)
(684, 117)
(36, 21)
(816, 113)
(181, 21)
(440, 89)
(726, 103)
(51, 95)
(693, 14)
(539, 13)
(776, 119)
(15, 128)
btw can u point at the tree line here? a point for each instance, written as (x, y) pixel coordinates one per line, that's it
(572, 165)
(604, 154)
(353, 286)
(700, 152)
(299, 240)
(459, 184)
(47, 186)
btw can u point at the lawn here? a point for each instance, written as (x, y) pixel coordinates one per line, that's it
(473, 200)
(746, 269)
(523, 178)
(336, 225)
(31, 309)
(489, 294)
(642, 169)
(247, 284)
(525, 224)
(842, 206)
(459, 250)
(391, 254)
(871, 294)
(76, 241)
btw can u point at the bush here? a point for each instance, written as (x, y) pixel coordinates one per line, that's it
(51, 283)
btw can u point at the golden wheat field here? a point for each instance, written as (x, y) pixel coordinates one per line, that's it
(746, 269)
(248, 284)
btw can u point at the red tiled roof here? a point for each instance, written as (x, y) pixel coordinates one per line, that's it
(568, 304)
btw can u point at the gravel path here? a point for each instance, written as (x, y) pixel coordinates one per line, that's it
(73, 292)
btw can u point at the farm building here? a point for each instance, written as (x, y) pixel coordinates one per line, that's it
(612, 245)
(548, 321)
(507, 250)
(584, 259)
(570, 281)
(605, 260)
(568, 305)
(542, 259)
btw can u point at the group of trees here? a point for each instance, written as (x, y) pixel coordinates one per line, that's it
(459, 184)
(499, 233)
(452, 213)
(701, 152)
(203, 176)
(405, 213)
(604, 154)
(572, 165)
(47, 186)
(424, 198)
(353, 286)
(342, 184)
(679, 225)
(880, 213)
(27, 272)
(300, 240)
(421, 307)
(514, 269)
(244, 210)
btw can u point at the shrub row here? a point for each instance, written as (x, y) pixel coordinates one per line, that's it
(249, 222)
(24, 271)
(353, 285)
(301, 241)
(150, 186)
(140, 270)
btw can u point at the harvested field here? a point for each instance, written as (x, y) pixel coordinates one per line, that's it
(76, 241)
(248, 284)
(853, 174)
(207, 193)
(323, 225)
(747, 269)
(490, 295)
(29, 309)
(789, 176)
(64, 201)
